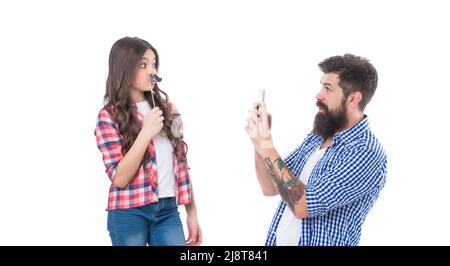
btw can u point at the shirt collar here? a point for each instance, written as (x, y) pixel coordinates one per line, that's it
(351, 133)
(134, 110)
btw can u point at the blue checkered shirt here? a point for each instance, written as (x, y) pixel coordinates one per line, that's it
(342, 188)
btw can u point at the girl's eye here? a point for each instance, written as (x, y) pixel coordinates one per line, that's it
(143, 65)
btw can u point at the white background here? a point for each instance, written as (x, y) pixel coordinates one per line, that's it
(215, 55)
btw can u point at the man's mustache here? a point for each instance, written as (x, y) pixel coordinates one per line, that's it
(322, 105)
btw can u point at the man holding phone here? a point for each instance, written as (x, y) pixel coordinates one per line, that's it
(331, 181)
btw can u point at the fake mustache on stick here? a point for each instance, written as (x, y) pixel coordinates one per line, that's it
(154, 77)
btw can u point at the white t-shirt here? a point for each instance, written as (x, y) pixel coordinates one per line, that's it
(164, 159)
(289, 228)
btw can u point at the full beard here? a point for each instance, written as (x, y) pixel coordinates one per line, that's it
(326, 124)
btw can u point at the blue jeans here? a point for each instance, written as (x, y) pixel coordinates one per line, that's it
(155, 224)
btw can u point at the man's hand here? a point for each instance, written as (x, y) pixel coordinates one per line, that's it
(258, 128)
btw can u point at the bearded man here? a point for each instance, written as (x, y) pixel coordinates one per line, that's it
(331, 181)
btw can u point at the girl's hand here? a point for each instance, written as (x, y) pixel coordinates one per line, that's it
(153, 123)
(195, 233)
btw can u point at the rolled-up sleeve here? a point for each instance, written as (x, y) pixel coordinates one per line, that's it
(355, 174)
(182, 167)
(108, 142)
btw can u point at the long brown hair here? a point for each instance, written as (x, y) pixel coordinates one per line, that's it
(124, 59)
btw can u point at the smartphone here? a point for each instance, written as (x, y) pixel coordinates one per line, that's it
(261, 96)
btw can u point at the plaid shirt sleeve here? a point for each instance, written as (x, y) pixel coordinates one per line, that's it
(353, 176)
(182, 168)
(108, 141)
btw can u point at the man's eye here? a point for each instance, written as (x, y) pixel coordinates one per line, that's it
(154, 65)
(143, 65)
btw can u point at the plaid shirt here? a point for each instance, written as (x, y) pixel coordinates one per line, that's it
(342, 187)
(144, 187)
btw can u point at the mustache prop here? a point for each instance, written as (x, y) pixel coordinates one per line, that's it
(154, 77)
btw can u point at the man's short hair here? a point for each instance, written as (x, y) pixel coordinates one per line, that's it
(355, 74)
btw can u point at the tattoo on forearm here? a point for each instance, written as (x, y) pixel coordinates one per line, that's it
(289, 186)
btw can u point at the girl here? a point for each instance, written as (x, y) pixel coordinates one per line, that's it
(140, 137)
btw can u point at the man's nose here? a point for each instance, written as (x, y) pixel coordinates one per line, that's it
(319, 96)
